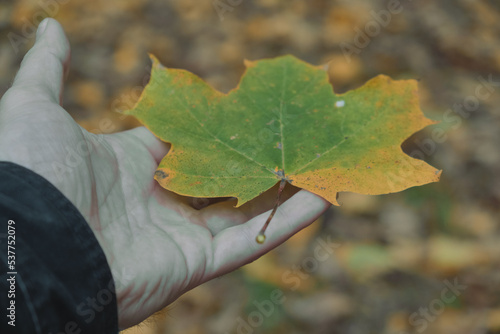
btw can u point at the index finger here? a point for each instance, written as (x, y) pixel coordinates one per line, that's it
(236, 246)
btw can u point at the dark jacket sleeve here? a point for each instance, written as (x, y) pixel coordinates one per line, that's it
(54, 275)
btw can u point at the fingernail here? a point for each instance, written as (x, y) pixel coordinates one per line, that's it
(42, 27)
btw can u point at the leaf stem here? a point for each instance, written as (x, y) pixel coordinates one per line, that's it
(261, 237)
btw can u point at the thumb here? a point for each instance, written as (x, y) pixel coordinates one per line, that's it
(41, 75)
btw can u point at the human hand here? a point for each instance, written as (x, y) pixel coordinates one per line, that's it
(157, 245)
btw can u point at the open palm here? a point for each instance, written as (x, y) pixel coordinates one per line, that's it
(157, 244)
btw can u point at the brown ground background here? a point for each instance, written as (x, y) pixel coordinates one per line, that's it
(395, 251)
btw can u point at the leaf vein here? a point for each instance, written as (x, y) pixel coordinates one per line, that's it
(343, 140)
(282, 102)
(218, 139)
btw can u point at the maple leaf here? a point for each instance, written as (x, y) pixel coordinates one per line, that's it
(283, 122)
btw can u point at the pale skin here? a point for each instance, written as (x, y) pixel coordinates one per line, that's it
(157, 245)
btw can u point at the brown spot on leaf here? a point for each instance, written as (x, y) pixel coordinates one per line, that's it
(161, 174)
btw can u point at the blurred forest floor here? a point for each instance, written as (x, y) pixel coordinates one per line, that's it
(426, 260)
